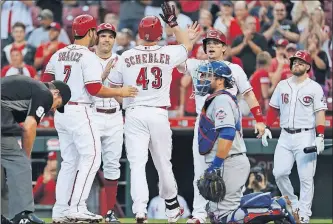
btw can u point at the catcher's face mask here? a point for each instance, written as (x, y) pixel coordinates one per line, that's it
(202, 80)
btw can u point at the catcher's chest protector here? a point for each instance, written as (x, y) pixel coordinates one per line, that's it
(207, 134)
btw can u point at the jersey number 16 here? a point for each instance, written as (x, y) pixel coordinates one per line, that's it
(143, 81)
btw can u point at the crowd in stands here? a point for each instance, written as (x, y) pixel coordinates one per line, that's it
(262, 35)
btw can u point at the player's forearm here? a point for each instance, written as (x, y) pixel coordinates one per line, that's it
(28, 138)
(223, 148)
(182, 37)
(118, 98)
(320, 118)
(106, 92)
(254, 106)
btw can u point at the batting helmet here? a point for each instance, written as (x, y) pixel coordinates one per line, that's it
(106, 26)
(82, 24)
(150, 28)
(215, 35)
(206, 71)
(302, 55)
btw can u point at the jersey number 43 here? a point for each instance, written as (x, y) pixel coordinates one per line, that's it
(143, 81)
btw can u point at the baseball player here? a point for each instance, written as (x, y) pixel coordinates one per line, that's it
(301, 105)
(220, 141)
(77, 130)
(215, 46)
(149, 67)
(109, 118)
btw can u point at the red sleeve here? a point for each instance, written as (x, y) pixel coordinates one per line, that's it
(39, 52)
(47, 77)
(31, 70)
(4, 70)
(38, 185)
(61, 45)
(273, 65)
(237, 60)
(272, 115)
(93, 88)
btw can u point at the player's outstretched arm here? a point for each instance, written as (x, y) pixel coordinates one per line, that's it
(170, 18)
(126, 91)
(320, 131)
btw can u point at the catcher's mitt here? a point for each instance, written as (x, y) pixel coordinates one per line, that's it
(211, 186)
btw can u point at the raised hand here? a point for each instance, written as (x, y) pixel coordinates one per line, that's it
(193, 30)
(169, 15)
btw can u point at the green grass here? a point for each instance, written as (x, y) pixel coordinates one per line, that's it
(131, 220)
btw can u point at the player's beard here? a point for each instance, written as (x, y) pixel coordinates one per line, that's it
(299, 72)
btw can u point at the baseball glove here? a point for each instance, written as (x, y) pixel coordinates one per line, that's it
(211, 186)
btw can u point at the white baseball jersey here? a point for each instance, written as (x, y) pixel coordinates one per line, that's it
(107, 103)
(298, 102)
(149, 68)
(77, 66)
(242, 84)
(224, 112)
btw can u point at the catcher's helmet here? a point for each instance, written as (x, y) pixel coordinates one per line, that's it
(202, 79)
(302, 55)
(82, 24)
(106, 26)
(150, 28)
(215, 35)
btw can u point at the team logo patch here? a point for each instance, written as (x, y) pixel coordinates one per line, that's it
(306, 100)
(220, 114)
(40, 111)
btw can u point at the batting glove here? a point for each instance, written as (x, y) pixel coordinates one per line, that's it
(268, 134)
(169, 15)
(319, 142)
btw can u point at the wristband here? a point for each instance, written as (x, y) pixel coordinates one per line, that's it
(256, 111)
(320, 129)
(217, 162)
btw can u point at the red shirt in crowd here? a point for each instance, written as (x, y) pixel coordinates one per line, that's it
(27, 70)
(189, 100)
(190, 6)
(236, 30)
(44, 194)
(258, 78)
(40, 49)
(286, 73)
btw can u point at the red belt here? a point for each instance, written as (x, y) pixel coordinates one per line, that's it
(106, 111)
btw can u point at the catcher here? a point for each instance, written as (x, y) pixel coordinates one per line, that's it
(220, 141)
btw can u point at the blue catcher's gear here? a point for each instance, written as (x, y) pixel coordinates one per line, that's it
(206, 72)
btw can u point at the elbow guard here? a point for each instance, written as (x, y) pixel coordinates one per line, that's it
(227, 133)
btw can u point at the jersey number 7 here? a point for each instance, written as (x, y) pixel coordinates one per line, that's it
(143, 81)
(67, 72)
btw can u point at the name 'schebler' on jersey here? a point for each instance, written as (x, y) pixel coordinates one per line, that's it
(147, 58)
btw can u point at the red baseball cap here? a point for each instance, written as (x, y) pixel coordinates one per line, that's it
(281, 42)
(55, 26)
(52, 155)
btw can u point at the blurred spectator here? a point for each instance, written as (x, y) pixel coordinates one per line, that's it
(301, 13)
(264, 11)
(112, 19)
(291, 49)
(237, 25)
(320, 64)
(131, 13)
(15, 11)
(28, 52)
(41, 35)
(154, 9)
(279, 28)
(124, 41)
(156, 208)
(248, 45)
(222, 23)
(205, 20)
(193, 8)
(317, 25)
(260, 80)
(17, 65)
(44, 190)
(258, 182)
(280, 67)
(232, 59)
(45, 51)
(55, 6)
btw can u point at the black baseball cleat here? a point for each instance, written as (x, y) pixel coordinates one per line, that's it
(27, 218)
(111, 217)
(4, 220)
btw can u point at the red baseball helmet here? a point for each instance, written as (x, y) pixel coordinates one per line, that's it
(214, 34)
(106, 26)
(302, 55)
(82, 24)
(150, 29)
